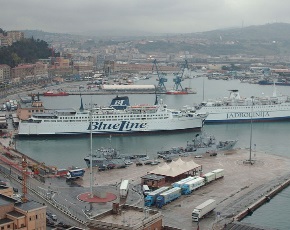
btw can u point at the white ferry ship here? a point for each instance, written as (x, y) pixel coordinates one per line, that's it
(118, 118)
(238, 109)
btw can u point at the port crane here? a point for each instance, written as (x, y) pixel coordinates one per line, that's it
(161, 79)
(180, 77)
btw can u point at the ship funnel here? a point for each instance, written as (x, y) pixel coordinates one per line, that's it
(82, 105)
(275, 90)
(120, 103)
(156, 100)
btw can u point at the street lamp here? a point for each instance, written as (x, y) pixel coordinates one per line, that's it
(250, 159)
(91, 151)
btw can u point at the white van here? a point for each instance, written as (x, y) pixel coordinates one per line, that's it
(146, 190)
(54, 217)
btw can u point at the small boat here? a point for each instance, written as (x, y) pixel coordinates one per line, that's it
(202, 143)
(55, 93)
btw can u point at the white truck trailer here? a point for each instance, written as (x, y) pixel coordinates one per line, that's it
(201, 210)
(124, 188)
(209, 177)
(183, 181)
(192, 185)
(219, 173)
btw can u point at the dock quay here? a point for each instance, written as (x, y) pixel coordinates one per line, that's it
(244, 187)
(11, 156)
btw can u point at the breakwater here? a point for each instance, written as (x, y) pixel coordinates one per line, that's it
(266, 198)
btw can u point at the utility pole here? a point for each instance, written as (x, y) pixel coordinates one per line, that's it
(24, 180)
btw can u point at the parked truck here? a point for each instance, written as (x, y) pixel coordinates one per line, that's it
(183, 181)
(201, 210)
(192, 185)
(219, 173)
(146, 190)
(124, 188)
(151, 197)
(209, 177)
(168, 196)
(75, 173)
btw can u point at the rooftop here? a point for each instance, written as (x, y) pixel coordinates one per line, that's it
(128, 216)
(29, 205)
(152, 177)
(5, 221)
(15, 214)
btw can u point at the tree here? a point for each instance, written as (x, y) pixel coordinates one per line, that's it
(24, 51)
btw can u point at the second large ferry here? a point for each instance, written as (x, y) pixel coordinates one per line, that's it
(238, 109)
(118, 118)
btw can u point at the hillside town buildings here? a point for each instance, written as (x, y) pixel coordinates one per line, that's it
(82, 58)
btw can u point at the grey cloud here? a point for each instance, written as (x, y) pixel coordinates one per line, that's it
(165, 16)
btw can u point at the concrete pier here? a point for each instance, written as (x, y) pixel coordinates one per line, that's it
(244, 187)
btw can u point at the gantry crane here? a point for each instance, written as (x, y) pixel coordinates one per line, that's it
(161, 79)
(179, 77)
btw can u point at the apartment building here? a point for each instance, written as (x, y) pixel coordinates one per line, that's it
(25, 216)
(15, 35)
(5, 71)
(10, 38)
(5, 41)
(83, 66)
(24, 71)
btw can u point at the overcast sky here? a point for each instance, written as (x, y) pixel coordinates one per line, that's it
(157, 16)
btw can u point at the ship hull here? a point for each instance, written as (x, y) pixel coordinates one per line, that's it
(236, 114)
(114, 128)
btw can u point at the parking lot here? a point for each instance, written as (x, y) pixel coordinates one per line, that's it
(242, 182)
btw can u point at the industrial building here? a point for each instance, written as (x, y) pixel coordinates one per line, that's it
(177, 170)
(129, 88)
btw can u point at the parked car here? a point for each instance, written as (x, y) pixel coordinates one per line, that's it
(148, 162)
(168, 159)
(198, 156)
(122, 166)
(102, 168)
(213, 154)
(155, 162)
(128, 162)
(111, 166)
(53, 217)
(139, 163)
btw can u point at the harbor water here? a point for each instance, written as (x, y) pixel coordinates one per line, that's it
(271, 138)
